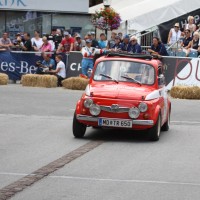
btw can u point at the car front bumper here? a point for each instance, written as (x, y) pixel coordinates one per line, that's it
(95, 119)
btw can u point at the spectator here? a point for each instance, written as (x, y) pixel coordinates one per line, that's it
(134, 46)
(79, 43)
(174, 36)
(88, 53)
(57, 37)
(198, 27)
(17, 42)
(103, 43)
(36, 41)
(117, 46)
(47, 64)
(5, 42)
(111, 42)
(191, 26)
(46, 46)
(60, 70)
(27, 43)
(91, 36)
(125, 45)
(194, 44)
(186, 42)
(121, 36)
(157, 48)
(67, 44)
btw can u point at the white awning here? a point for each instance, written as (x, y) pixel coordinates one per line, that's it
(144, 14)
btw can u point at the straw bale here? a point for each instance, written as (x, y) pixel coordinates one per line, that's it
(75, 83)
(3, 79)
(185, 92)
(36, 80)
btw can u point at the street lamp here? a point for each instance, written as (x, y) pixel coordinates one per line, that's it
(106, 4)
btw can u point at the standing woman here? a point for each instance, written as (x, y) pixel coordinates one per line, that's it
(191, 26)
(174, 35)
(36, 41)
(194, 44)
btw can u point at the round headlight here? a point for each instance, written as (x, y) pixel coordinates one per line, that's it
(88, 103)
(95, 109)
(134, 112)
(143, 107)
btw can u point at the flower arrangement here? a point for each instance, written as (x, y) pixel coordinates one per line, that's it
(106, 18)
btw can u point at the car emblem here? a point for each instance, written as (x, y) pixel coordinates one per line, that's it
(114, 107)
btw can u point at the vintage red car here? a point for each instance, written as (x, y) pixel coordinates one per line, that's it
(125, 91)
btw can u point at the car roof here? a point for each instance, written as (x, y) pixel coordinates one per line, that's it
(143, 58)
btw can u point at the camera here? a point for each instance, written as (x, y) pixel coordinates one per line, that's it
(38, 63)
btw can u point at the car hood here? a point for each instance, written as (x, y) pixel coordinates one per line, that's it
(120, 91)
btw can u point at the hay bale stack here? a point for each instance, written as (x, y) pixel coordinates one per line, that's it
(185, 92)
(36, 80)
(3, 79)
(75, 83)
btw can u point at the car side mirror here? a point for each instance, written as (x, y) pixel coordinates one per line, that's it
(161, 80)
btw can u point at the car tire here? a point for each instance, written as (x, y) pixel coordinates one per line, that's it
(165, 126)
(154, 132)
(78, 128)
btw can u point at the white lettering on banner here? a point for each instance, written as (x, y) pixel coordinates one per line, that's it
(4, 64)
(11, 3)
(74, 67)
(32, 69)
(11, 67)
(24, 65)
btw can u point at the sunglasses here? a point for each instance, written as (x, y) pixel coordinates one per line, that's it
(176, 26)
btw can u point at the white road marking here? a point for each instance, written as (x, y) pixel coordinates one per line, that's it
(109, 179)
(185, 122)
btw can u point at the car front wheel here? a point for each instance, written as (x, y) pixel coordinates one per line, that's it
(154, 132)
(165, 126)
(78, 128)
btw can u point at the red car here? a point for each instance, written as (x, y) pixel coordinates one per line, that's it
(125, 91)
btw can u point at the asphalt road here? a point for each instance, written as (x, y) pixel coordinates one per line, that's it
(35, 129)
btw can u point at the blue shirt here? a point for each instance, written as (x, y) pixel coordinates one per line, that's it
(48, 63)
(102, 44)
(136, 48)
(125, 47)
(160, 49)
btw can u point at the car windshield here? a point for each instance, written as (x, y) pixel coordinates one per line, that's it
(125, 71)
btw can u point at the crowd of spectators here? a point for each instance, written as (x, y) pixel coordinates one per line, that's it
(181, 40)
(184, 39)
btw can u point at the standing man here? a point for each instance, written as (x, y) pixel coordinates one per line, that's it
(91, 36)
(134, 46)
(67, 44)
(79, 43)
(111, 42)
(27, 43)
(60, 70)
(5, 42)
(125, 45)
(88, 53)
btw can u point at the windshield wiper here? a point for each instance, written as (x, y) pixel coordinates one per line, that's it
(132, 79)
(109, 77)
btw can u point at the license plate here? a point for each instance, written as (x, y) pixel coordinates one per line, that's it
(115, 123)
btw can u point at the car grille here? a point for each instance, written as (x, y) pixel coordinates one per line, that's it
(114, 109)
